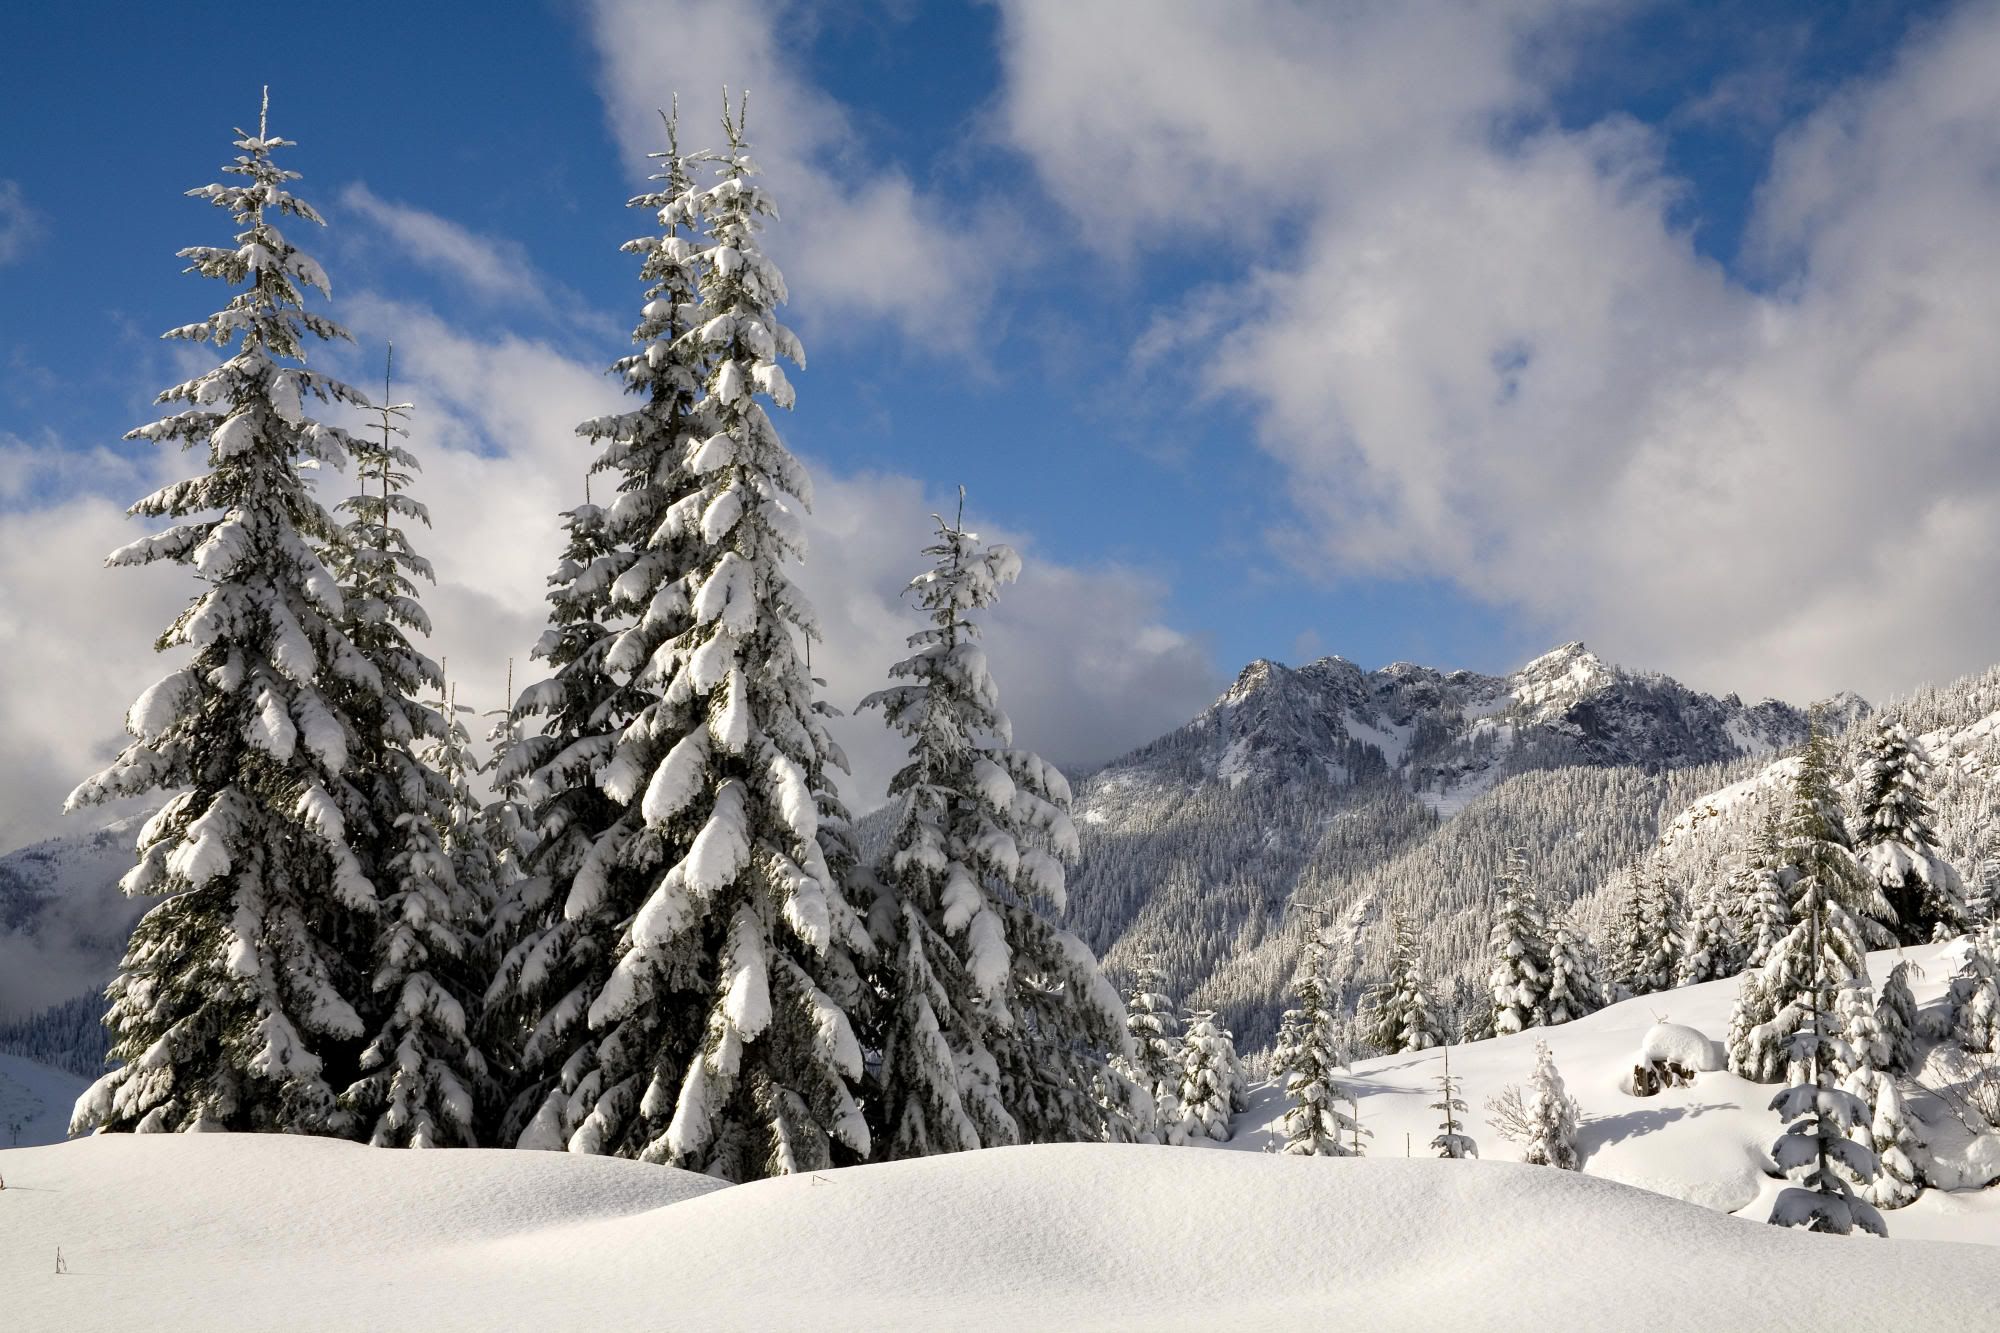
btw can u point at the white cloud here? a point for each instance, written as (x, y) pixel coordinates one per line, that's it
(1086, 664)
(859, 237)
(20, 225)
(1494, 356)
(490, 267)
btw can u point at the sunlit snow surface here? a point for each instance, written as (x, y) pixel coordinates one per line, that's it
(230, 1231)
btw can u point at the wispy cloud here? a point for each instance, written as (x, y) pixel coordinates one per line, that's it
(20, 225)
(489, 267)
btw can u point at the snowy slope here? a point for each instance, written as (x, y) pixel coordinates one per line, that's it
(1707, 1143)
(250, 1232)
(35, 1102)
(63, 921)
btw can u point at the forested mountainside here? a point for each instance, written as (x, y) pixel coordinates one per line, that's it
(1304, 792)
(63, 921)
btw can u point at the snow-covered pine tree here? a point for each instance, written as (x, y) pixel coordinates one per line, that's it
(1314, 1122)
(1896, 1016)
(722, 1039)
(1211, 1078)
(421, 1074)
(1402, 1016)
(1574, 989)
(1450, 1140)
(237, 1004)
(1896, 841)
(1890, 1132)
(1152, 1023)
(621, 599)
(1710, 953)
(1520, 978)
(1625, 952)
(1659, 959)
(1815, 1150)
(1834, 906)
(463, 830)
(1764, 907)
(1854, 1015)
(991, 1006)
(1975, 993)
(1552, 1116)
(1755, 1043)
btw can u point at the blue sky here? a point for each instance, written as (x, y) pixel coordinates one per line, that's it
(1434, 331)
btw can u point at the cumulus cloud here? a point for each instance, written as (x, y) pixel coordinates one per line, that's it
(870, 242)
(1083, 655)
(1494, 354)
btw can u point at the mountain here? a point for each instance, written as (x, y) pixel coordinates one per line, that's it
(1326, 788)
(63, 921)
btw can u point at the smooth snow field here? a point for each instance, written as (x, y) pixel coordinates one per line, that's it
(231, 1232)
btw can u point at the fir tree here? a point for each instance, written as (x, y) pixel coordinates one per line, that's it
(1450, 1142)
(1552, 1116)
(722, 1039)
(1402, 1014)
(621, 604)
(1896, 1017)
(1211, 1078)
(1659, 959)
(1629, 944)
(1520, 978)
(1710, 954)
(1314, 1122)
(1816, 1141)
(1830, 907)
(422, 1073)
(1975, 994)
(1890, 1132)
(998, 1018)
(1574, 989)
(1152, 1024)
(238, 1004)
(1854, 1015)
(1821, 1114)
(1766, 907)
(1896, 841)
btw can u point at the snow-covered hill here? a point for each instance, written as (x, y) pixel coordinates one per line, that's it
(227, 1231)
(35, 1102)
(1707, 1143)
(63, 921)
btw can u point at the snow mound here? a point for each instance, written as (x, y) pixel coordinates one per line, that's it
(1684, 1046)
(243, 1231)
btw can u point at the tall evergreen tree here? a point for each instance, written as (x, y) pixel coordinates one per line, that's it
(1710, 953)
(1520, 979)
(238, 1004)
(1211, 1078)
(1897, 843)
(1152, 1023)
(422, 1073)
(1574, 988)
(1764, 907)
(1401, 1013)
(1660, 953)
(722, 1038)
(992, 1008)
(1822, 1115)
(1834, 907)
(1314, 1122)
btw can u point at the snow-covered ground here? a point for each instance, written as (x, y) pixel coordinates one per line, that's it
(253, 1231)
(1707, 1143)
(35, 1102)
(265, 1232)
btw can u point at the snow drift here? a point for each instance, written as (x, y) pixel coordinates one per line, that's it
(243, 1231)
